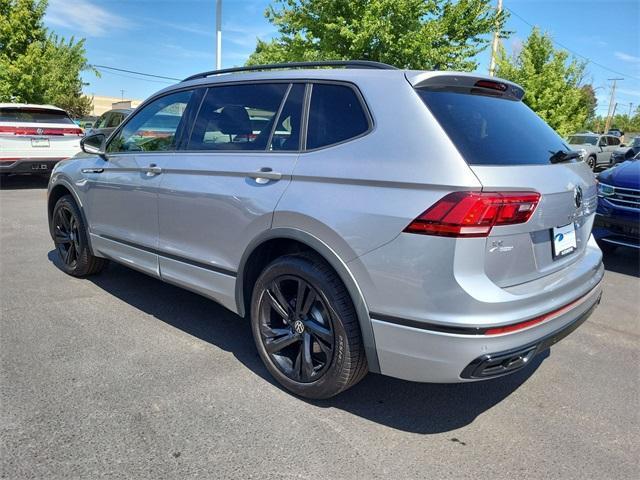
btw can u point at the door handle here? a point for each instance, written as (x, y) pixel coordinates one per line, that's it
(92, 170)
(264, 175)
(152, 169)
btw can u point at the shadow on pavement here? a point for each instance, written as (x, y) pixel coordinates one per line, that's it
(412, 407)
(21, 182)
(623, 260)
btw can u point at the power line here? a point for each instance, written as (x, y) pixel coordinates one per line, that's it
(572, 51)
(123, 75)
(134, 72)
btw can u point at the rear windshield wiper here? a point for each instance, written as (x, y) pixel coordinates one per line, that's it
(562, 156)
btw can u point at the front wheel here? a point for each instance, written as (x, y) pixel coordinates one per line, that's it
(591, 161)
(70, 238)
(305, 327)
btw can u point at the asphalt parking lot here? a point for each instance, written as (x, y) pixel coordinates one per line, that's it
(122, 376)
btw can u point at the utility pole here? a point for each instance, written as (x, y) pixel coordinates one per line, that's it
(218, 34)
(494, 44)
(121, 94)
(612, 105)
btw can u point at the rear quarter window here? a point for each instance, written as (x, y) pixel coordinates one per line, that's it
(489, 130)
(335, 115)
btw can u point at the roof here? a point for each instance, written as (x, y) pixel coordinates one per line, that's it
(30, 105)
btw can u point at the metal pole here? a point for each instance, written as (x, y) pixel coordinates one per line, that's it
(494, 44)
(218, 34)
(611, 104)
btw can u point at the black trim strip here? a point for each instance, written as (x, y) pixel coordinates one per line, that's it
(171, 256)
(427, 326)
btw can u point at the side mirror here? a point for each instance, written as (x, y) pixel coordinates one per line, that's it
(93, 144)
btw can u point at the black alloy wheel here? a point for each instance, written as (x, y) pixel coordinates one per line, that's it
(296, 328)
(66, 236)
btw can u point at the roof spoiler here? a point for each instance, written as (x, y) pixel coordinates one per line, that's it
(466, 83)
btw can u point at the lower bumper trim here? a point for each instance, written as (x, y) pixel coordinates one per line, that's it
(502, 363)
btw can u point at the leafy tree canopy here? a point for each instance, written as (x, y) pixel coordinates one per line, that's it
(419, 34)
(35, 65)
(552, 82)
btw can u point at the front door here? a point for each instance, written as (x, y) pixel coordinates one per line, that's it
(122, 190)
(220, 193)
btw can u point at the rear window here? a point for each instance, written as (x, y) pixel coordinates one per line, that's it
(493, 131)
(18, 115)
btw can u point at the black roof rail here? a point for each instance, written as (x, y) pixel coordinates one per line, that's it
(276, 66)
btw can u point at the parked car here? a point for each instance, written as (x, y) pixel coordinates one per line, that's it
(617, 220)
(594, 149)
(626, 152)
(33, 138)
(108, 121)
(378, 221)
(616, 132)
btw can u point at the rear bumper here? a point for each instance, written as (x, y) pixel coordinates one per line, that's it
(425, 355)
(29, 165)
(618, 229)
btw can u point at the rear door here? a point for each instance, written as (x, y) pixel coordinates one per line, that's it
(509, 148)
(122, 191)
(220, 192)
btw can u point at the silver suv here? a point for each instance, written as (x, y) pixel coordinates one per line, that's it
(364, 218)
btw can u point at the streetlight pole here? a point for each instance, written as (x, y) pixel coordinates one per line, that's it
(218, 34)
(494, 44)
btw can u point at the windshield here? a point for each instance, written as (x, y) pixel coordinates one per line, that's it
(17, 115)
(583, 139)
(493, 131)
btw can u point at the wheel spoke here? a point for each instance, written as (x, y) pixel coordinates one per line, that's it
(302, 288)
(270, 333)
(278, 302)
(71, 254)
(307, 361)
(275, 345)
(310, 300)
(319, 332)
(297, 365)
(61, 237)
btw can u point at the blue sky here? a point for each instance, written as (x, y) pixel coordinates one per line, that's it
(177, 38)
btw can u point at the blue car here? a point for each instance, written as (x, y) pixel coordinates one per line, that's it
(617, 220)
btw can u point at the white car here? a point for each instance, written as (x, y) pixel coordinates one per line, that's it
(33, 138)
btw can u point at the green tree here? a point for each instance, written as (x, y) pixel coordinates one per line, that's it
(420, 34)
(35, 65)
(589, 100)
(551, 80)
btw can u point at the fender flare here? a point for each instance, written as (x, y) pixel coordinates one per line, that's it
(336, 263)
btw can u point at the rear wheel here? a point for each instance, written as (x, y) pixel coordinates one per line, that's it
(70, 239)
(305, 327)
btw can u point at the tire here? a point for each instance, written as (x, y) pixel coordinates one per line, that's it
(70, 238)
(313, 348)
(591, 161)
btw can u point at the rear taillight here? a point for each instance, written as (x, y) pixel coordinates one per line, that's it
(474, 214)
(40, 131)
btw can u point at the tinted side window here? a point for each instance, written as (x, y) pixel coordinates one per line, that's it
(335, 115)
(614, 141)
(286, 135)
(115, 120)
(237, 117)
(102, 121)
(154, 128)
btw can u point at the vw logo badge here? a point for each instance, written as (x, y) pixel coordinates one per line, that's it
(577, 196)
(39, 131)
(298, 326)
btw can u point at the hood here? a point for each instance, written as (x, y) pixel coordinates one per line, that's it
(625, 175)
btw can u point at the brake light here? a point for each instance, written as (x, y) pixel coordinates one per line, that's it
(491, 85)
(474, 214)
(40, 131)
